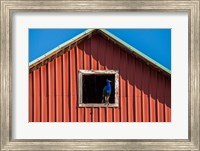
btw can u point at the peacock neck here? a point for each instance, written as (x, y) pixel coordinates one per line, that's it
(108, 84)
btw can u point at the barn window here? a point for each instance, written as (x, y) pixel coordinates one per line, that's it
(91, 84)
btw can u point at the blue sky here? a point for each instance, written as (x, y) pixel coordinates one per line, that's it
(155, 43)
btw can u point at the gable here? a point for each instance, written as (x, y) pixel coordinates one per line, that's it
(92, 33)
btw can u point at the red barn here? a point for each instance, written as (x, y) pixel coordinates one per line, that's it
(65, 85)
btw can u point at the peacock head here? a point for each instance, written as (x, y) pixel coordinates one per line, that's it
(108, 81)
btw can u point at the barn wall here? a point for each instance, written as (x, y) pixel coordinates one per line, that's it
(144, 92)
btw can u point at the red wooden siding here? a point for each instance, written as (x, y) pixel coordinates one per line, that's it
(31, 97)
(36, 95)
(44, 101)
(144, 91)
(51, 91)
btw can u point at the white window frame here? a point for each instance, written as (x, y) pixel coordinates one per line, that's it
(97, 72)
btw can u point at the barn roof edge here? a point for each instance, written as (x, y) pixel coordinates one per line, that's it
(60, 46)
(88, 31)
(136, 51)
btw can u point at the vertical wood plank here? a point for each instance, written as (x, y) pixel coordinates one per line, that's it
(73, 84)
(94, 52)
(123, 90)
(95, 114)
(66, 89)
(44, 103)
(51, 83)
(153, 95)
(37, 99)
(145, 93)
(31, 97)
(59, 81)
(138, 95)
(101, 55)
(168, 100)
(130, 83)
(160, 98)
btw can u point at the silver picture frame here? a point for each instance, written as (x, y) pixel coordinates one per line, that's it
(9, 7)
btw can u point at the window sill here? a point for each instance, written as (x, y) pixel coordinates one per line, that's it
(98, 105)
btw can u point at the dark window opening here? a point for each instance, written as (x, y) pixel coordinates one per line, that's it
(93, 85)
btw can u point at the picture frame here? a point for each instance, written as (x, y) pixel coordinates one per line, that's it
(9, 7)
